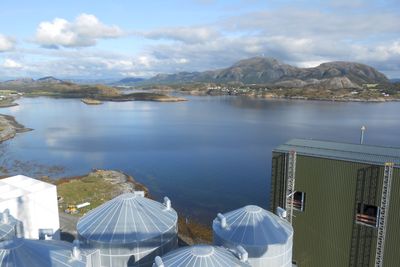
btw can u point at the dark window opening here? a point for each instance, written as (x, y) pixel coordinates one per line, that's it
(367, 214)
(299, 200)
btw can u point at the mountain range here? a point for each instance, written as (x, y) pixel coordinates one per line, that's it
(30, 81)
(264, 70)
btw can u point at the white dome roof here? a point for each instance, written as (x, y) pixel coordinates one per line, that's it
(7, 230)
(253, 226)
(127, 218)
(37, 253)
(201, 256)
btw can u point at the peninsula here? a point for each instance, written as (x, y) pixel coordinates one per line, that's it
(9, 127)
(53, 87)
(98, 187)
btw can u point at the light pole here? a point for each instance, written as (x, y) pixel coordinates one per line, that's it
(362, 134)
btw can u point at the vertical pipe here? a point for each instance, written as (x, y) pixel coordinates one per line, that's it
(167, 203)
(362, 134)
(222, 219)
(243, 255)
(158, 262)
(6, 216)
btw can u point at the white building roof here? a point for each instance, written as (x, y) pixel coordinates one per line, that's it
(20, 185)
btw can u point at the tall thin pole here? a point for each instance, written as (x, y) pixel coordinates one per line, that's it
(362, 134)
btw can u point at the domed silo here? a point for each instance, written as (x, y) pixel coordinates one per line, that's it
(39, 253)
(130, 230)
(8, 226)
(203, 256)
(267, 238)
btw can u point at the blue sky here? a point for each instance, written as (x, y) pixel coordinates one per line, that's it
(112, 39)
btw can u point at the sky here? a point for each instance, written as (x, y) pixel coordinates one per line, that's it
(124, 38)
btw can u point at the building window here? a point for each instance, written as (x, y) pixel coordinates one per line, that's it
(367, 214)
(299, 200)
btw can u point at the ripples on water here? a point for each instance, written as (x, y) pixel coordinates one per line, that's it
(209, 154)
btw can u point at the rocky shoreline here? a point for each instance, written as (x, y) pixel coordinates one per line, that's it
(9, 127)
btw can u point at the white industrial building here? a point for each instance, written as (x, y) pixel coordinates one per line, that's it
(267, 238)
(131, 231)
(33, 203)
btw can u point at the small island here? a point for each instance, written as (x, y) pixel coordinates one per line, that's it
(90, 101)
(158, 97)
(9, 127)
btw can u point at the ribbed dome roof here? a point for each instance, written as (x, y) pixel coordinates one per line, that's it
(253, 226)
(37, 253)
(201, 256)
(125, 219)
(7, 229)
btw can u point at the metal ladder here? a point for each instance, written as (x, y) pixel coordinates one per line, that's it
(384, 210)
(291, 178)
(363, 237)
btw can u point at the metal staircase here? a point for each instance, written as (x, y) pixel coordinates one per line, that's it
(290, 181)
(383, 216)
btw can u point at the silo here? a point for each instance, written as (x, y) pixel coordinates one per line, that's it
(40, 253)
(130, 230)
(267, 238)
(8, 226)
(203, 256)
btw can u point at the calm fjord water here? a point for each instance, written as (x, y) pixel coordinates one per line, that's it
(209, 155)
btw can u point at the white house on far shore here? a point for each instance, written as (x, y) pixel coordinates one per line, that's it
(33, 203)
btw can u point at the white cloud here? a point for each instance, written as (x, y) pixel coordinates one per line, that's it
(305, 36)
(315, 22)
(6, 43)
(184, 34)
(84, 31)
(11, 64)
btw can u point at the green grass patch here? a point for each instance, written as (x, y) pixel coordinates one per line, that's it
(90, 188)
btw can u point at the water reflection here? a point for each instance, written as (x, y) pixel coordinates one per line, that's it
(209, 154)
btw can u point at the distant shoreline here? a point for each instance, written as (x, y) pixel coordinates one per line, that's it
(345, 95)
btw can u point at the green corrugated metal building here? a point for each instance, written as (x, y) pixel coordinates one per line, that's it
(337, 204)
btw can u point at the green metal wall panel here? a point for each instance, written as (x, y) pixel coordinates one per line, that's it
(324, 231)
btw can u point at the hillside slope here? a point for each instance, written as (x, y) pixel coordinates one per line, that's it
(263, 70)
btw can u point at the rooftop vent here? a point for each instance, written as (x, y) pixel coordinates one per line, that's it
(167, 203)
(222, 220)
